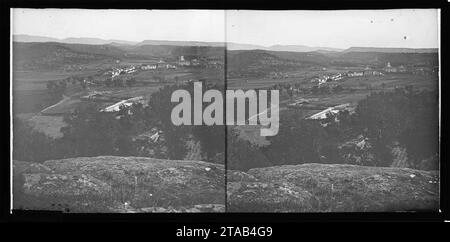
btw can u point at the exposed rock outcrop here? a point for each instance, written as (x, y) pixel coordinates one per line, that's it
(334, 188)
(119, 184)
(143, 185)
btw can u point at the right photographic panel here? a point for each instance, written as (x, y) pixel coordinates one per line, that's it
(332, 111)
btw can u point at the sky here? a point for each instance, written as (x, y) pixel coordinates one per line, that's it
(406, 28)
(131, 25)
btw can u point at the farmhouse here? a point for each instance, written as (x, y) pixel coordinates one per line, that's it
(331, 110)
(161, 64)
(389, 68)
(372, 73)
(130, 70)
(149, 67)
(337, 77)
(402, 69)
(195, 62)
(124, 103)
(423, 71)
(355, 73)
(170, 66)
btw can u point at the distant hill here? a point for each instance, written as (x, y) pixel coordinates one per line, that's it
(381, 58)
(246, 59)
(31, 38)
(230, 45)
(181, 43)
(171, 51)
(243, 58)
(96, 41)
(45, 53)
(300, 48)
(51, 55)
(391, 50)
(243, 63)
(86, 41)
(259, 63)
(288, 48)
(316, 57)
(54, 55)
(238, 46)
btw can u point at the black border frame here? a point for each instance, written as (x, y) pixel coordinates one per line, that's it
(222, 218)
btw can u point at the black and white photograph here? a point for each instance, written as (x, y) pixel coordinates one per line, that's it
(358, 125)
(225, 111)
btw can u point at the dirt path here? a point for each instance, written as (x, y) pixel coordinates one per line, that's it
(65, 98)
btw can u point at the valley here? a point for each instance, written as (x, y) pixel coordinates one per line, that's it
(54, 80)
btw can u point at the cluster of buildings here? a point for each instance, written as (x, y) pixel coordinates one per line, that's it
(210, 62)
(415, 70)
(328, 78)
(339, 76)
(149, 67)
(392, 69)
(116, 71)
(366, 72)
(424, 71)
(158, 66)
(184, 62)
(389, 68)
(371, 72)
(129, 70)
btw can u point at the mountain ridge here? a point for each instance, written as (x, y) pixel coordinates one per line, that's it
(229, 45)
(391, 50)
(71, 40)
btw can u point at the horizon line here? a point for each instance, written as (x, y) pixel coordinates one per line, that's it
(225, 42)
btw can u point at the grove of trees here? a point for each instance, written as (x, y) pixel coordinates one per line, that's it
(404, 117)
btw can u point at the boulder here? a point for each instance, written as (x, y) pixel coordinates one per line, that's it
(110, 183)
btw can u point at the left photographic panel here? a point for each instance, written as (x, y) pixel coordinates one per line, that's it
(109, 107)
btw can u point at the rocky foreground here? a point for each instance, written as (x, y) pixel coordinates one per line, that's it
(333, 188)
(119, 184)
(136, 184)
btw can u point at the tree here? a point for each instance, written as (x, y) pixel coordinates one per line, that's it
(31, 145)
(405, 115)
(89, 133)
(242, 155)
(297, 143)
(160, 108)
(212, 139)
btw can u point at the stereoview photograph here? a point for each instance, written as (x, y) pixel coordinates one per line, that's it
(198, 111)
